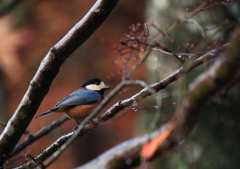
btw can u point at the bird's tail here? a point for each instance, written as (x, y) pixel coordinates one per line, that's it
(45, 113)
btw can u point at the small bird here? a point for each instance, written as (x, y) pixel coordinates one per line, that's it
(81, 102)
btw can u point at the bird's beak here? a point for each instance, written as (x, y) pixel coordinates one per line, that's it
(106, 87)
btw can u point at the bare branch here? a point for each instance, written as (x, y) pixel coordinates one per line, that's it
(200, 28)
(44, 131)
(124, 155)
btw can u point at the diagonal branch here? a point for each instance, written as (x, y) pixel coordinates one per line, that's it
(124, 155)
(47, 71)
(151, 89)
(44, 131)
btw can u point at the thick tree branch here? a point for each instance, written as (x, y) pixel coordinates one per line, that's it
(47, 71)
(125, 155)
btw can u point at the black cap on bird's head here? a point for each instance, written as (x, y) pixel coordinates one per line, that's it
(95, 84)
(95, 81)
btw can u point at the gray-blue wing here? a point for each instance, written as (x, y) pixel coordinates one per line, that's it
(79, 97)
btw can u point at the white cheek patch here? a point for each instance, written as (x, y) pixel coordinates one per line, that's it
(95, 87)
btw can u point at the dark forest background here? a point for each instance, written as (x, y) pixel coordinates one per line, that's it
(31, 28)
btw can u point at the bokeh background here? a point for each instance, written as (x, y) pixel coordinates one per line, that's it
(31, 28)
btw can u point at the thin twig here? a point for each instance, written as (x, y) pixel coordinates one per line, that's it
(44, 131)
